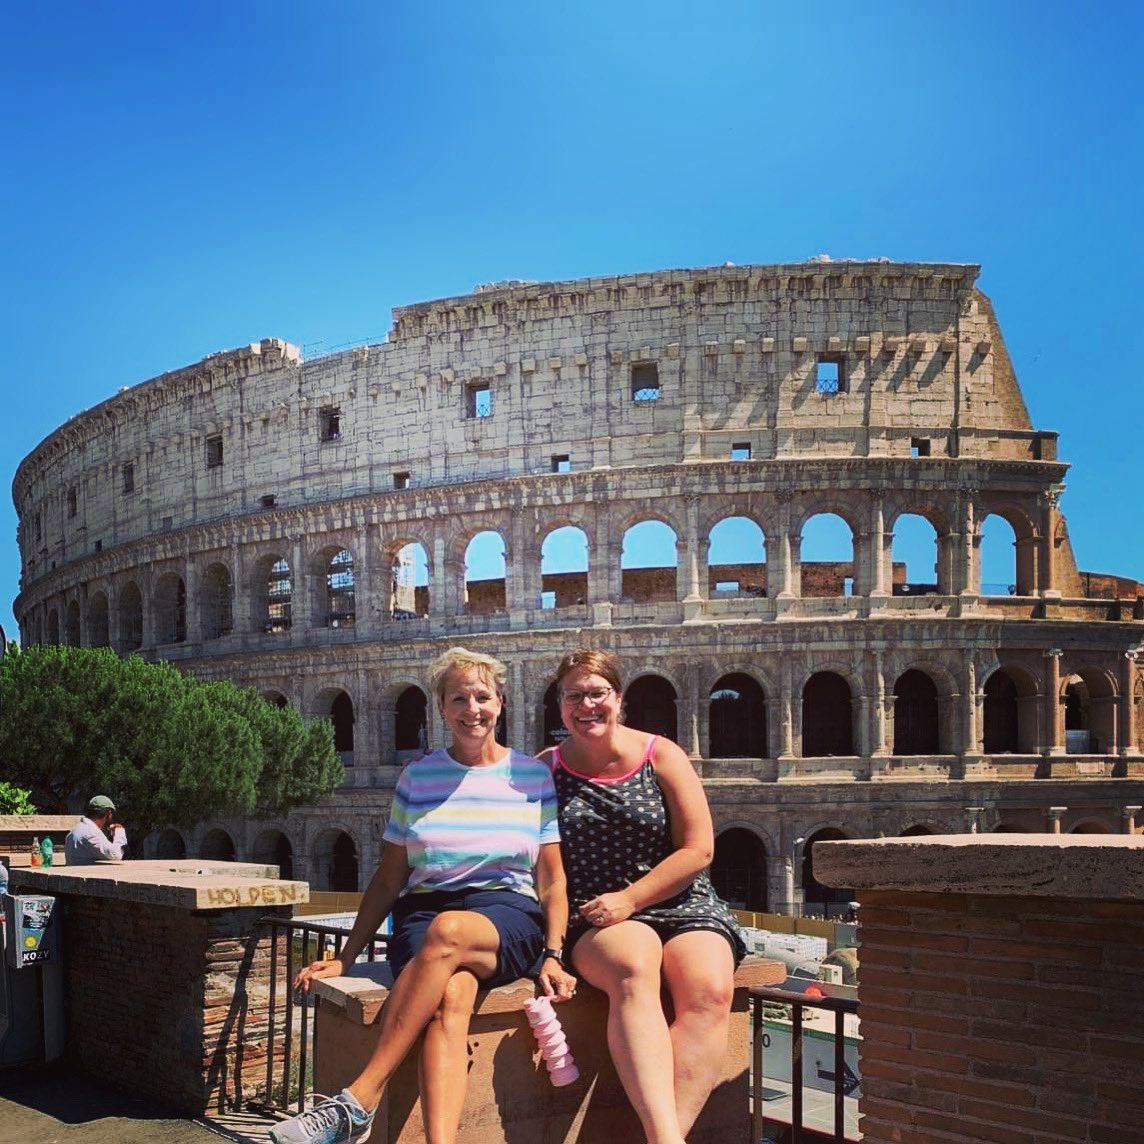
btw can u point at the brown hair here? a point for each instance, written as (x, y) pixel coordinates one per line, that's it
(597, 662)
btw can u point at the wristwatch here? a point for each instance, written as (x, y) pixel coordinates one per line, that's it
(555, 954)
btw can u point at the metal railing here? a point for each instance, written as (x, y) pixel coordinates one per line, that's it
(288, 1015)
(840, 1007)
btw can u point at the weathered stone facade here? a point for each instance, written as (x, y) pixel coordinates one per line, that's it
(243, 517)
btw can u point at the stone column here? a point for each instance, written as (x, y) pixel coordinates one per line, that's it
(882, 702)
(780, 884)
(1048, 507)
(516, 588)
(241, 589)
(367, 604)
(1127, 703)
(786, 712)
(971, 745)
(689, 585)
(439, 604)
(878, 542)
(517, 709)
(782, 584)
(598, 561)
(688, 704)
(1128, 819)
(684, 555)
(970, 546)
(1052, 730)
(1054, 814)
(301, 606)
(192, 582)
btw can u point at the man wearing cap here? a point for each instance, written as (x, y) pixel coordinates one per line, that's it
(96, 837)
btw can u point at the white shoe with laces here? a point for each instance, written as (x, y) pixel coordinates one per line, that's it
(332, 1120)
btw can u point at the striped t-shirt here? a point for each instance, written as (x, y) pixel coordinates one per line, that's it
(473, 827)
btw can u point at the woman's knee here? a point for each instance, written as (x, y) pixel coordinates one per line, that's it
(457, 1000)
(708, 995)
(447, 933)
(623, 965)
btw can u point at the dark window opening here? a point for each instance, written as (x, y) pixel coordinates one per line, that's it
(330, 423)
(267, 501)
(342, 717)
(39, 525)
(830, 374)
(402, 480)
(919, 447)
(741, 452)
(99, 546)
(214, 451)
(129, 477)
(1037, 449)
(645, 381)
(411, 724)
(73, 502)
(479, 400)
(278, 598)
(561, 463)
(167, 522)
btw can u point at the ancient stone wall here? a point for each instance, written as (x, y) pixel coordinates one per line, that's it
(250, 517)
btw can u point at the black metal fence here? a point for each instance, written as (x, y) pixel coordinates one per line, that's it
(290, 1020)
(840, 1007)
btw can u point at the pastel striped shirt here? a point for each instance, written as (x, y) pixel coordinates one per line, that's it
(473, 827)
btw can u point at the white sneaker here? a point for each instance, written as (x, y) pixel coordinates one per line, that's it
(330, 1121)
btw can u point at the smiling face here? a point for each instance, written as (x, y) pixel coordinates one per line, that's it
(589, 704)
(470, 706)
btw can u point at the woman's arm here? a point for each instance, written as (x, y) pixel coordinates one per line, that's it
(552, 889)
(384, 887)
(691, 831)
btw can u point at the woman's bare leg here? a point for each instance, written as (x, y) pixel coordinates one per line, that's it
(624, 961)
(699, 972)
(456, 939)
(443, 1068)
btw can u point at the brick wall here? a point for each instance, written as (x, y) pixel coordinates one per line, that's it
(171, 1000)
(1001, 987)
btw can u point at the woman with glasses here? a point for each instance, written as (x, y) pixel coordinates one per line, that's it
(637, 839)
(471, 870)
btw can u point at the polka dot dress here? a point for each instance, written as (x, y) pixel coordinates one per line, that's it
(613, 833)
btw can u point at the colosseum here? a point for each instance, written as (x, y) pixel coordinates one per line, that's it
(308, 527)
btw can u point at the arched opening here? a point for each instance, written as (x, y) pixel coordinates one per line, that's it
(72, 626)
(736, 559)
(98, 621)
(827, 722)
(914, 557)
(336, 862)
(274, 592)
(826, 556)
(170, 609)
(169, 844)
(275, 698)
(649, 705)
(564, 568)
(739, 870)
(1009, 715)
(410, 583)
(130, 617)
(485, 574)
(999, 564)
(53, 626)
(915, 831)
(1090, 713)
(218, 846)
(1090, 826)
(339, 603)
(648, 562)
(216, 602)
(737, 715)
(410, 723)
(340, 711)
(819, 900)
(915, 714)
(273, 848)
(554, 730)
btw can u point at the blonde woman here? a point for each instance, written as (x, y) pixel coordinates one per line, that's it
(637, 838)
(471, 870)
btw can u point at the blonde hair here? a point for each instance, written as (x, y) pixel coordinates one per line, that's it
(461, 659)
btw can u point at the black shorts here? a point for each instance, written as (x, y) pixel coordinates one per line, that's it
(518, 919)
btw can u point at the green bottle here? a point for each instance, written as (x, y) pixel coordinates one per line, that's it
(46, 851)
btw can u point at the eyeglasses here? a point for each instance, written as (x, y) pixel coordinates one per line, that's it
(593, 695)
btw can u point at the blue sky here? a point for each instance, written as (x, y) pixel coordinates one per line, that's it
(180, 180)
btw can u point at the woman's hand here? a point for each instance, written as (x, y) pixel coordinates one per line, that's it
(608, 909)
(556, 981)
(332, 967)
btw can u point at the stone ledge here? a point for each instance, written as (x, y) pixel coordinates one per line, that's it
(187, 884)
(1082, 866)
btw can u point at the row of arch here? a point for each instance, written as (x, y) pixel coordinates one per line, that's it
(736, 561)
(919, 715)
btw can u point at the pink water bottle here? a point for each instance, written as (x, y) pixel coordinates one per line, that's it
(553, 1044)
